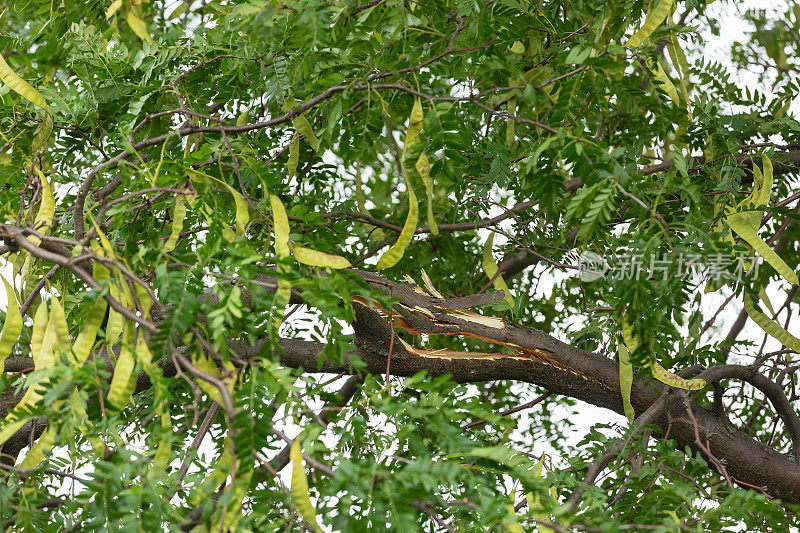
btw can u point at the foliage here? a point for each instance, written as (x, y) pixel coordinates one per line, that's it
(179, 177)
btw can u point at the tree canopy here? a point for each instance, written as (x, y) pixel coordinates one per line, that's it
(361, 265)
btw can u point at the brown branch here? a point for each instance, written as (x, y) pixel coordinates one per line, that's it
(771, 390)
(783, 163)
(652, 412)
(507, 412)
(190, 129)
(456, 226)
(348, 390)
(561, 369)
(198, 439)
(18, 237)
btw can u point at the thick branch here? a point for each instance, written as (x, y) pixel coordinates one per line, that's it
(549, 363)
(586, 376)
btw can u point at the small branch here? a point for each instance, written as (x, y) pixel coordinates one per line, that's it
(198, 439)
(652, 412)
(507, 412)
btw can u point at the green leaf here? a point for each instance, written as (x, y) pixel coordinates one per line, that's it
(517, 47)
(741, 225)
(123, 381)
(281, 228)
(626, 377)
(673, 380)
(653, 20)
(112, 9)
(314, 258)
(511, 108)
(178, 215)
(395, 253)
(658, 371)
(44, 216)
(771, 327)
(44, 444)
(299, 488)
(491, 269)
(666, 83)
(294, 157)
(524, 468)
(24, 89)
(304, 127)
(138, 26)
(12, 327)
